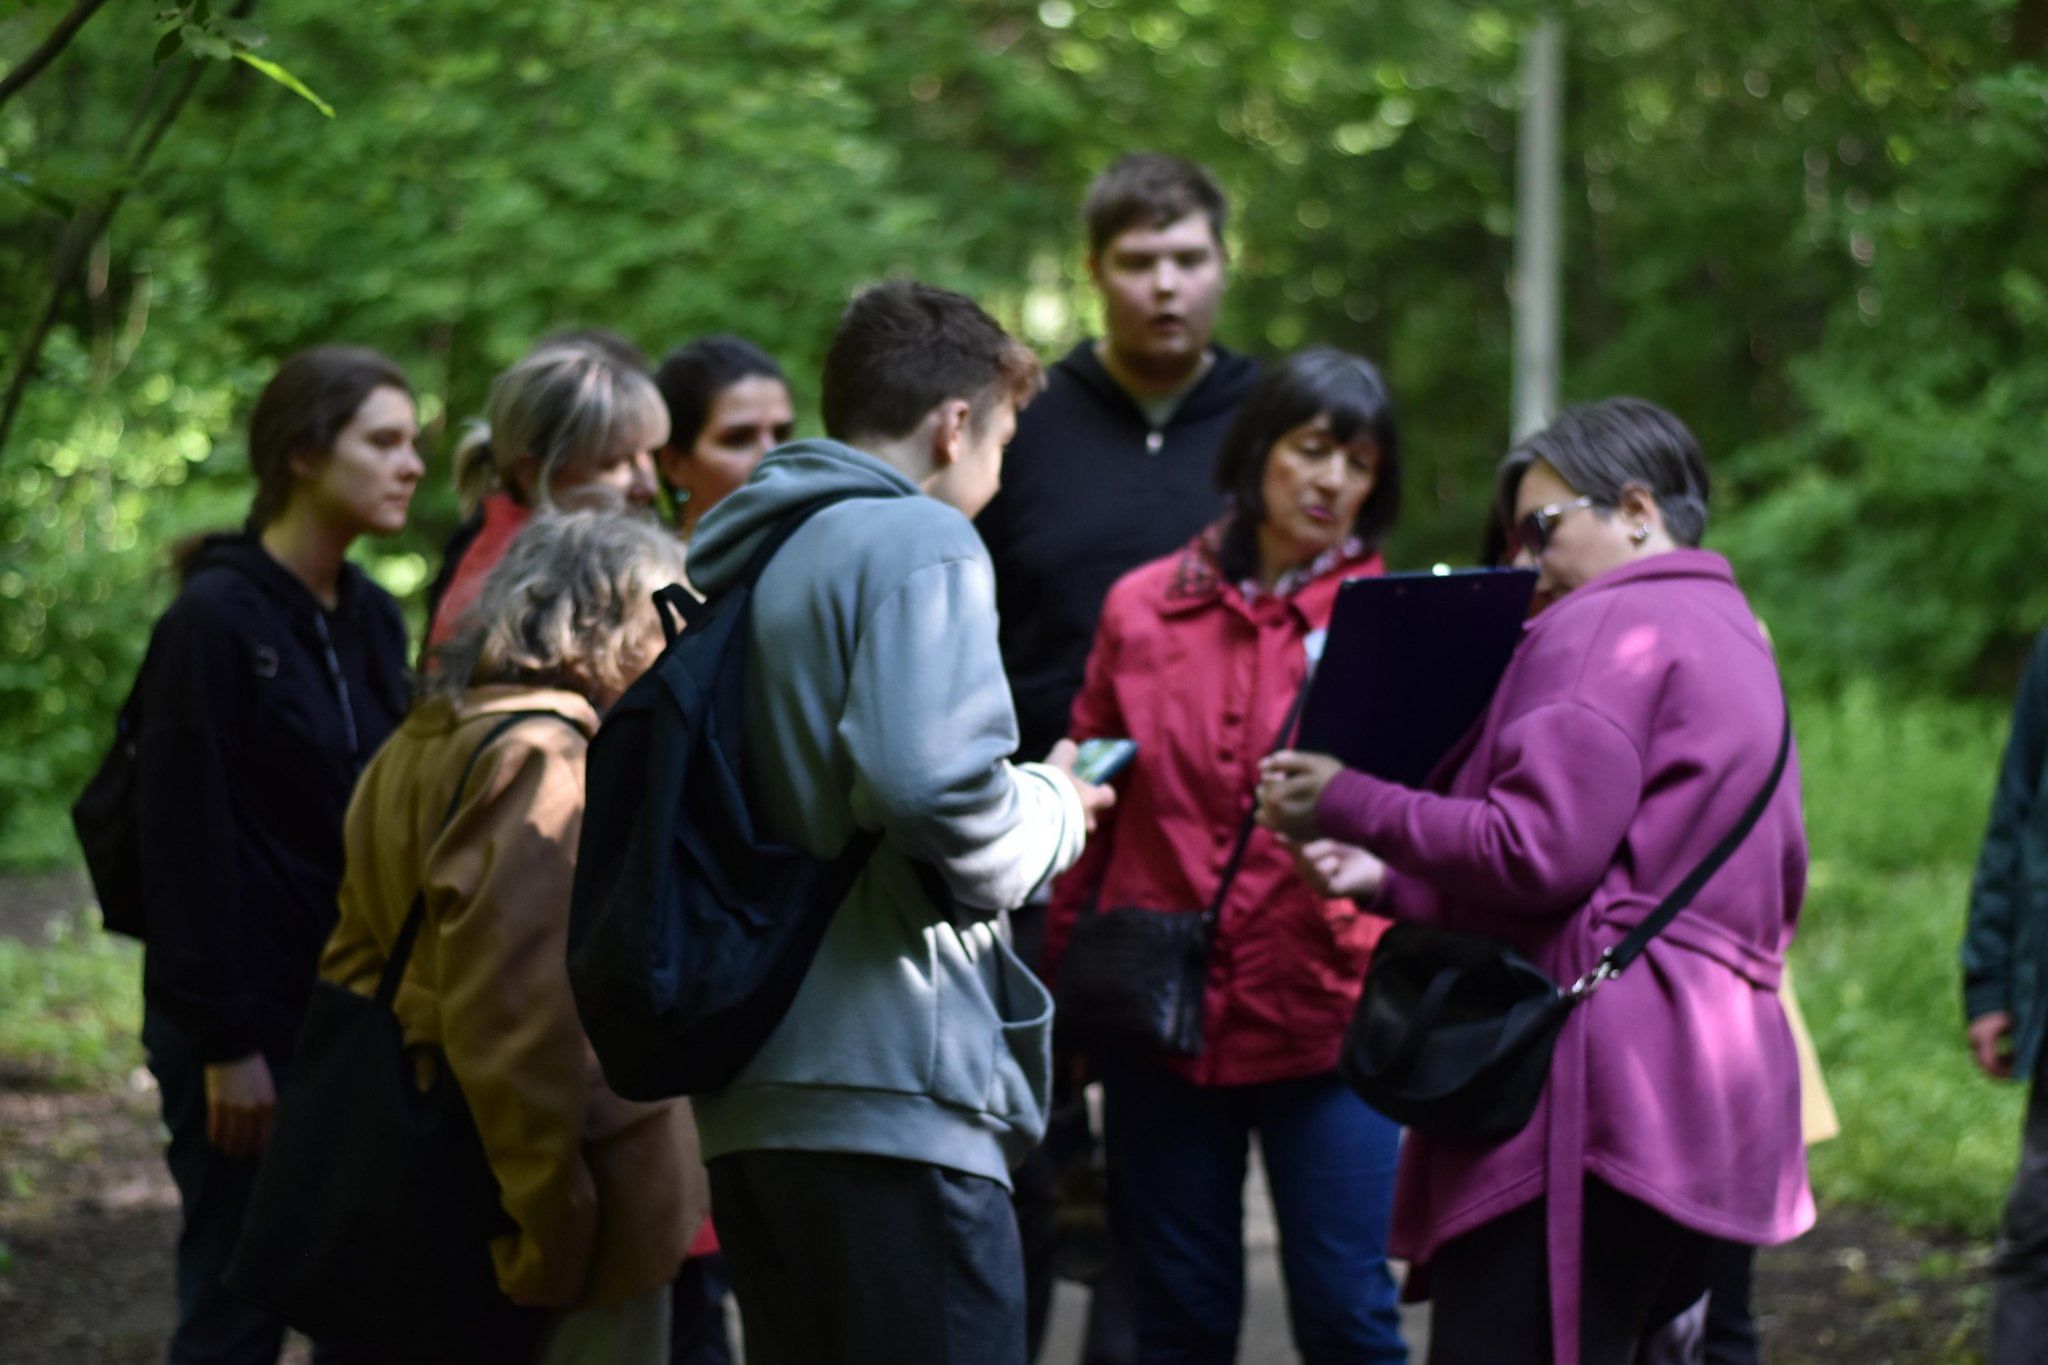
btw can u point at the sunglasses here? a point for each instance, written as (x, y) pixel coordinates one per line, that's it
(1533, 532)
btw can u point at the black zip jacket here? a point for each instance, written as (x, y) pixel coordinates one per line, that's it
(1091, 491)
(256, 709)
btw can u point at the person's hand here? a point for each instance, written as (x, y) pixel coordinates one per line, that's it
(1337, 870)
(1094, 800)
(1991, 1043)
(241, 1097)
(1290, 784)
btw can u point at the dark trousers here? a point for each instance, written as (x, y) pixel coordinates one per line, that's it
(1177, 1165)
(837, 1257)
(2019, 1271)
(1490, 1289)
(215, 1324)
(697, 1329)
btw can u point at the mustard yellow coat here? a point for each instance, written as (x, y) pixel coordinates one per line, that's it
(606, 1194)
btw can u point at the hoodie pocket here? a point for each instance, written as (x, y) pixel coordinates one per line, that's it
(1020, 1083)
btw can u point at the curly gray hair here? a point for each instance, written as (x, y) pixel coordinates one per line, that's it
(571, 605)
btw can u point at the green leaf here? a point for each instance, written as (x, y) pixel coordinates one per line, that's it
(246, 36)
(287, 80)
(207, 44)
(167, 46)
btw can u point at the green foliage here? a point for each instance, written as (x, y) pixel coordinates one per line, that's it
(1813, 230)
(71, 1007)
(1896, 793)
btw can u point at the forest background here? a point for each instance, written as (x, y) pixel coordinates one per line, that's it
(1817, 230)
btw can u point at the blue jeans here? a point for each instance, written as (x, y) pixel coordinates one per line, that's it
(1177, 1159)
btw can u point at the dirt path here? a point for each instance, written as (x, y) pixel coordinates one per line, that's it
(88, 1217)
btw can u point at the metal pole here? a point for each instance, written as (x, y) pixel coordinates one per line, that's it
(1539, 176)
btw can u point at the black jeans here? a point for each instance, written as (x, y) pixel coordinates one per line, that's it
(838, 1257)
(215, 1324)
(1490, 1289)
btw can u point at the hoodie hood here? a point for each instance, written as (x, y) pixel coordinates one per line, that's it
(1222, 389)
(789, 479)
(242, 552)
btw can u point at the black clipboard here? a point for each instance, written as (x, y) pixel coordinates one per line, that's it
(1411, 661)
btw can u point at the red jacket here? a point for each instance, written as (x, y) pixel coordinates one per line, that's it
(1203, 680)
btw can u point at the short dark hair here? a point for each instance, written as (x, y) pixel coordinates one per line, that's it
(692, 377)
(1154, 189)
(1316, 381)
(903, 348)
(1602, 448)
(302, 409)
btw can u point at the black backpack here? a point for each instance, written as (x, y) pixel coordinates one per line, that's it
(104, 818)
(690, 927)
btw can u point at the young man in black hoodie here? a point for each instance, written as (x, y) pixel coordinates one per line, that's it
(1112, 465)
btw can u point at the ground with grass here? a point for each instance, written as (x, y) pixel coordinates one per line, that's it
(1895, 796)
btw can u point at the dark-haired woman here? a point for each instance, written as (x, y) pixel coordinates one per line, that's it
(1199, 658)
(269, 683)
(728, 405)
(1640, 716)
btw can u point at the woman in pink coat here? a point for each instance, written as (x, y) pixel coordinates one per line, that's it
(1641, 713)
(1198, 658)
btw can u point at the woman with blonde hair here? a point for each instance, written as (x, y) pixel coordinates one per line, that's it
(574, 424)
(603, 1195)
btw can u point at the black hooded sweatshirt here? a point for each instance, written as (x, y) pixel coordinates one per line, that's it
(256, 709)
(1091, 490)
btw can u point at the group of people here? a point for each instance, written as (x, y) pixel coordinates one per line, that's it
(1144, 541)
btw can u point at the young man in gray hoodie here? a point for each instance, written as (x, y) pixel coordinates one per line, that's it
(860, 1162)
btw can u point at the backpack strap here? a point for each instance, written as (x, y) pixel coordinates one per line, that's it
(401, 949)
(679, 606)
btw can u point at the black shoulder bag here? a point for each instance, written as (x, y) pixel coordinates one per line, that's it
(1454, 1032)
(1132, 979)
(375, 1205)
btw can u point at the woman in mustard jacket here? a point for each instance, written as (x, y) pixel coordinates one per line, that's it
(605, 1195)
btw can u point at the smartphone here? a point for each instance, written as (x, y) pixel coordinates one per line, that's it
(1102, 759)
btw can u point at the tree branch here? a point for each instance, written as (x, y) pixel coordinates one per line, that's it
(139, 143)
(77, 243)
(60, 37)
(2030, 30)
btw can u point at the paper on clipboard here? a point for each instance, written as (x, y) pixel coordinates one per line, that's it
(1410, 663)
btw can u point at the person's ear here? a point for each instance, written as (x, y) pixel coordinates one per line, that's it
(949, 433)
(670, 462)
(305, 464)
(1639, 510)
(524, 477)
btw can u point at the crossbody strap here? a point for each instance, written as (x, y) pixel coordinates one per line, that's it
(1615, 959)
(1214, 912)
(401, 950)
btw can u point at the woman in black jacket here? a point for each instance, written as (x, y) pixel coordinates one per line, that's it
(268, 684)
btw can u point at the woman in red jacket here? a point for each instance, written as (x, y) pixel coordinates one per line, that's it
(1199, 658)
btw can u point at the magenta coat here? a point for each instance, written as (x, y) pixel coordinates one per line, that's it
(1640, 715)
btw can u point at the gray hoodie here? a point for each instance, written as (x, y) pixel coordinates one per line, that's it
(879, 703)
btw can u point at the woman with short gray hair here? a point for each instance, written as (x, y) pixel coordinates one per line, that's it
(604, 1196)
(1639, 719)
